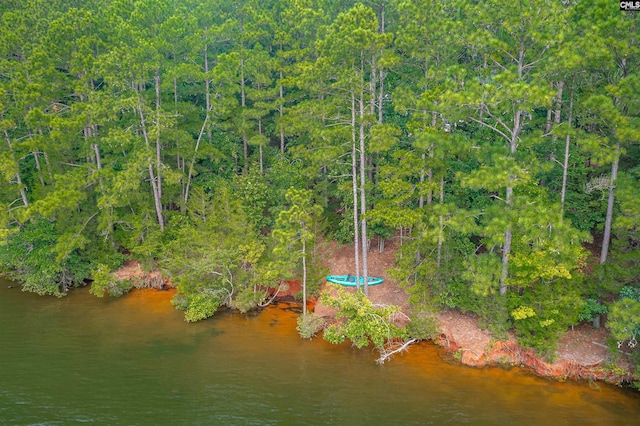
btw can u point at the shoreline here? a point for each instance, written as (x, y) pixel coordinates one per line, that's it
(466, 342)
(506, 353)
(510, 354)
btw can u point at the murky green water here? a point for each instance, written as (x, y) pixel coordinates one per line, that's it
(135, 361)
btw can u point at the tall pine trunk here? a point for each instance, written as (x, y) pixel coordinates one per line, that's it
(508, 233)
(281, 113)
(609, 219)
(243, 104)
(565, 164)
(158, 142)
(440, 226)
(304, 278)
(354, 181)
(23, 193)
(363, 199)
(606, 239)
(152, 177)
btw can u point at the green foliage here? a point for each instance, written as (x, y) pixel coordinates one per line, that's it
(254, 191)
(423, 325)
(359, 320)
(297, 223)
(482, 273)
(316, 276)
(542, 314)
(523, 312)
(295, 234)
(105, 281)
(31, 257)
(213, 258)
(309, 325)
(455, 295)
(624, 324)
(591, 309)
(624, 319)
(493, 311)
(630, 292)
(203, 305)
(246, 299)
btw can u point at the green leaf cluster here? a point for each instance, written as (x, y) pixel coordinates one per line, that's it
(360, 321)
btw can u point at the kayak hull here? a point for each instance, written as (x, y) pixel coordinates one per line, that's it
(350, 280)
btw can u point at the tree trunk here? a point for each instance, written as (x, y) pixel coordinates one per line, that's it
(363, 199)
(243, 104)
(506, 251)
(260, 147)
(508, 236)
(441, 226)
(36, 157)
(23, 193)
(381, 95)
(382, 74)
(373, 86)
(207, 81)
(281, 112)
(175, 95)
(354, 181)
(423, 157)
(558, 111)
(304, 278)
(609, 219)
(434, 121)
(46, 161)
(152, 178)
(158, 142)
(565, 165)
(193, 159)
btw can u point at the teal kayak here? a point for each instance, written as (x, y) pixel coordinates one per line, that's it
(350, 280)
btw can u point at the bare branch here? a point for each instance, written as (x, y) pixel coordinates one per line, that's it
(495, 129)
(280, 287)
(393, 348)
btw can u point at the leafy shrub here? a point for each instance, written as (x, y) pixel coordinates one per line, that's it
(247, 299)
(213, 258)
(180, 302)
(459, 295)
(624, 318)
(106, 282)
(309, 325)
(590, 310)
(202, 306)
(453, 294)
(494, 315)
(538, 330)
(359, 320)
(542, 314)
(630, 293)
(423, 326)
(43, 259)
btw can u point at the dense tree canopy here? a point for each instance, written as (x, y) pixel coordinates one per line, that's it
(494, 140)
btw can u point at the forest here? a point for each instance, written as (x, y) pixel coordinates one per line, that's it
(219, 140)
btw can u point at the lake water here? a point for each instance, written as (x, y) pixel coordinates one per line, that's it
(134, 361)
